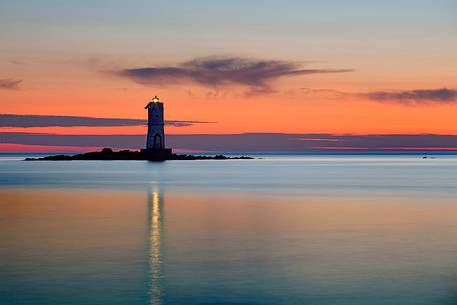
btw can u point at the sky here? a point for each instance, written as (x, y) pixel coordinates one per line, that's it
(228, 67)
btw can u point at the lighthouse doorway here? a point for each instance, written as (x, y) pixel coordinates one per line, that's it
(157, 142)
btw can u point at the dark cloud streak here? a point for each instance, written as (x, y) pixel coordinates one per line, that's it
(10, 84)
(420, 96)
(217, 72)
(406, 97)
(16, 120)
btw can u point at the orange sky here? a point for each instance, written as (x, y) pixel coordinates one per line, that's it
(289, 111)
(71, 66)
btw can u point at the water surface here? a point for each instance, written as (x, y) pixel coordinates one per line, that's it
(279, 230)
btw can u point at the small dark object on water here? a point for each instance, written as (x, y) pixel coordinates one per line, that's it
(109, 154)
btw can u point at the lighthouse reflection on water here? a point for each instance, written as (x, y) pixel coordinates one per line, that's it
(155, 241)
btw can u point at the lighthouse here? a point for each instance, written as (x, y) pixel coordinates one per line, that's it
(156, 135)
(155, 140)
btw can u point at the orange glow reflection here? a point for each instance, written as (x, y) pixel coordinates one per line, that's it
(155, 240)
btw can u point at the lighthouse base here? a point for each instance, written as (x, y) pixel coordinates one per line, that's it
(157, 154)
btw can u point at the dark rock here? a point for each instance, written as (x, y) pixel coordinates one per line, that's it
(109, 154)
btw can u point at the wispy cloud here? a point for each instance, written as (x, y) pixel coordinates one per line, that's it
(216, 72)
(177, 123)
(10, 83)
(406, 97)
(18, 120)
(420, 96)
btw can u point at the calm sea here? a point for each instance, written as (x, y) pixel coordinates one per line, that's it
(284, 229)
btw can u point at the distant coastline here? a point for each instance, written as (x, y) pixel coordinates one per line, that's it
(108, 154)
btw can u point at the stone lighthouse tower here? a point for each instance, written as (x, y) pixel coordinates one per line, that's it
(155, 141)
(156, 135)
